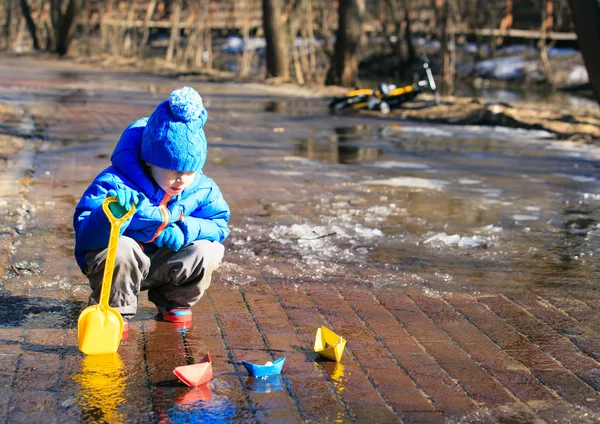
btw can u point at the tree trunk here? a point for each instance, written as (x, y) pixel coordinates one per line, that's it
(546, 19)
(586, 19)
(207, 56)
(30, 24)
(174, 38)
(394, 16)
(8, 24)
(64, 23)
(411, 55)
(278, 63)
(247, 53)
(146, 31)
(344, 65)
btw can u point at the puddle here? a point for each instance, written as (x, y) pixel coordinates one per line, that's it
(346, 200)
(380, 193)
(193, 406)
(264, 384)
(433, 180)
(102, 388)
(36, 312)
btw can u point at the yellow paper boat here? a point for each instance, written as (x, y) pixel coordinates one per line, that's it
(329, 345)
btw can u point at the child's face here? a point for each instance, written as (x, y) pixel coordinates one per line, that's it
(172, 182)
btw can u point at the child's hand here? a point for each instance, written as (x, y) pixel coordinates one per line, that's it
(125, 198)
(172, 237)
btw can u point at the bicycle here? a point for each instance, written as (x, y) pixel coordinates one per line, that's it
(387, 96)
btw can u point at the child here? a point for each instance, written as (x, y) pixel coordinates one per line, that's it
(172, 243)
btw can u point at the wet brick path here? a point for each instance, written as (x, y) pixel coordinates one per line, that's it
(410, 357)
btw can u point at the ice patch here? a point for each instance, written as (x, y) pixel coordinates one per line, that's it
(466, 181)
(411, 182)
(342, 175)
(288, 173)
(305, 161)
(318, 244)
(399, 164)
(591, 196)
(507, 133)
(576, 149)
(381, 213)
(304, 232)
(536, 180)
(443, 239)
(578, 178)
(428, 131)
(367, 232)
(489, 192)
(578, 76)
(488, 229)
(519, 217)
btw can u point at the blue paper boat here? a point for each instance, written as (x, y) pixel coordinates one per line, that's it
(270, 368)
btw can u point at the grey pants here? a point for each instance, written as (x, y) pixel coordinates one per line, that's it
(173, 279)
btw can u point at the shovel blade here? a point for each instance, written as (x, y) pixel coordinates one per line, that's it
(99, 330)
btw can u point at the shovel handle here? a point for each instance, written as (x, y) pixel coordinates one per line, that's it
(113, 241)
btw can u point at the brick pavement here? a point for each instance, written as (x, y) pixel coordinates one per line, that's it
(411, 356)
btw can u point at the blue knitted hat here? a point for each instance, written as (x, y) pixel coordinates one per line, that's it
(173, 138)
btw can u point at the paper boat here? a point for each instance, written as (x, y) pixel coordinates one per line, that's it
(196, 374)
(270, 368)
(329, 345)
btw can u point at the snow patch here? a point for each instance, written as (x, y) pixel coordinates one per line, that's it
(411, 182)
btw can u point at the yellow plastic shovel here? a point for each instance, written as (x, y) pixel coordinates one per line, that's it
(100, 327)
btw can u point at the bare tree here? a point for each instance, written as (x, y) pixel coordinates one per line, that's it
(410, 48)
(586, 18)
(546, 10)
(401, 29)
(344, 65)
(64, 18)
(448, 20)
(278, 63)
(26, 10)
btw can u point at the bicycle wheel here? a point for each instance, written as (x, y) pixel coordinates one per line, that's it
(384, 107)
(359, 101)
(338, 104)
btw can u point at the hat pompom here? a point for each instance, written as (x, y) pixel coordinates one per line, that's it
(186, 104)
(173, 138)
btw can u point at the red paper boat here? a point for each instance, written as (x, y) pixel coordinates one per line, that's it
(196, 374)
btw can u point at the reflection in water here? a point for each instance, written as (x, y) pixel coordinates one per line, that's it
(182, 327)
(335, 371)
(291, 107)
(78, 96)
(338, 148)
(264, 384)
(568, 259)
(69, 76)
(351, 133)
(199, 405)
(102, 386)
(273, 106)
(202, 392)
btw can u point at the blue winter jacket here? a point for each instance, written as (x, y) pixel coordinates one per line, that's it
(200, 210)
